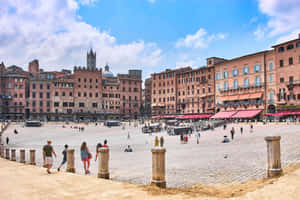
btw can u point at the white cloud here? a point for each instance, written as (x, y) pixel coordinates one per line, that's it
(199, 40)
(288, 37)
(260, 32)
(189, 63)
(87, 2)
(283, 15)
(52, 32)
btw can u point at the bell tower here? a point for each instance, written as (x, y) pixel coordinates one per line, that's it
(91, 59)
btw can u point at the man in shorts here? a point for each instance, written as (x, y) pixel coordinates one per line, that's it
(47, 155)
(64, 153)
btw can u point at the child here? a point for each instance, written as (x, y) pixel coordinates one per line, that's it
(64, 157)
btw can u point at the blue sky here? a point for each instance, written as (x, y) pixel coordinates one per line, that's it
(147, 34)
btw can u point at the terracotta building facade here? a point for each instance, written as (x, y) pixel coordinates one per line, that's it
(262, 83)
(86, 94)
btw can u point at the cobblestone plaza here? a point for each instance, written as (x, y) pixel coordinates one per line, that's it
(209, 162)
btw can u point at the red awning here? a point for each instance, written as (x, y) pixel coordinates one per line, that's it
(283, 113)
(169, 116)
(247, 113)
(202, 116)
(224, 115)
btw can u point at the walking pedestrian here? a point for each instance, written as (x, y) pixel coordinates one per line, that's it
(251, 128)
(241, 130)
(64, 153)
(47, 155)
(85, 157)
(7, 140)
(198, 137)
(232, 133)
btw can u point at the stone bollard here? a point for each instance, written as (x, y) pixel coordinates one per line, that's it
(22, 156)
(273, 150)
(70, 161)
(32, 157)
(13, 155)
(2, 150)
(103, 171)
(158, 167)
(7, 154)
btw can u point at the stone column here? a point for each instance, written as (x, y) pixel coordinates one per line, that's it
(70, 161)
(158, 167)
(22, 156)
(273, 151)
(13, 155)
(7, 153)
(32, 157)
(2, 151)
(103, 171)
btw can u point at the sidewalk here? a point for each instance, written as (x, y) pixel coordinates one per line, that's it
(23, 182)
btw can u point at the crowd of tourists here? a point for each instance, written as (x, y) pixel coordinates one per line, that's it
(85, 154)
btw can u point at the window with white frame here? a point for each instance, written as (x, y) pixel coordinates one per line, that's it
(271, 96)
(217, 76)
(246, 82)
(225, 75)
(257, 81)
(256, 68)
(225, 85)
(271, 78)
(218, 86)
(235, 72)
(270, 65)
(235, 84)
(245, 70)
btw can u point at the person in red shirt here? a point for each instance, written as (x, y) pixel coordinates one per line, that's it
(105, 144)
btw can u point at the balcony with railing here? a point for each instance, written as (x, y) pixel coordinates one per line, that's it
(241, 103)
(239, 88)
(292, 83)
(6, 97)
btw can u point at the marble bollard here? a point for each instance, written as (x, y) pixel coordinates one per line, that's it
(32, 157)
(70, 160)
(103, 170)
(273, 151)
(22, 156)
(7, 153)
(158, 167)
(2, 151)
(13, 155)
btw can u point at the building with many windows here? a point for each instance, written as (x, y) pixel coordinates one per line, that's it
(86, 94)
(250, 86)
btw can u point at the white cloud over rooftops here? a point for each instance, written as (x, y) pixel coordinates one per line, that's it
(52, 32)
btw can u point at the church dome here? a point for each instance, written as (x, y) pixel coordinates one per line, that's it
(107, 73)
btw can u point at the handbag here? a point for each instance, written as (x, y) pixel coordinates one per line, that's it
(90, 155)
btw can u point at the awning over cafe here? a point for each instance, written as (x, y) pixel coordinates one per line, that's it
(224, 115)
(247, 113)
(237, 97)
(202, 116)
(285, 113)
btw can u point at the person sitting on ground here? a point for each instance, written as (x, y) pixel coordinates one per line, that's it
(128, 149)
(15, 131)
(225, 140)
(64, 153)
